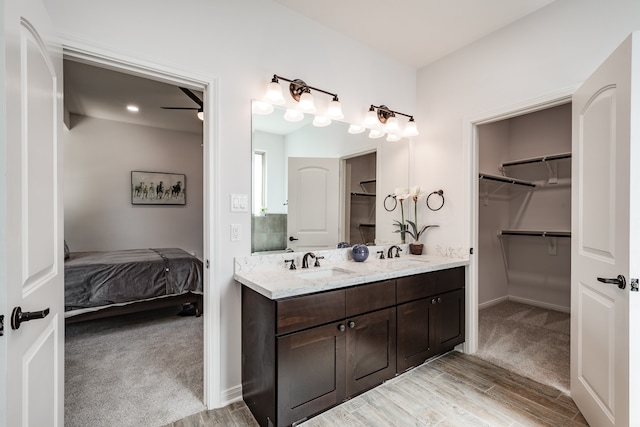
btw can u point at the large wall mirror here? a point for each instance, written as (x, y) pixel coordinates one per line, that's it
(314, 187)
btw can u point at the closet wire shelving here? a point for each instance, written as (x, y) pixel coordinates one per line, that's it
(367, 230)
(503, 180)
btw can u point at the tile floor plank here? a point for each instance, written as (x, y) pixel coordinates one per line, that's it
(452, 390)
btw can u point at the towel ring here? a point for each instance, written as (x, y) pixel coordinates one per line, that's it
(439, 193)
(395, 202)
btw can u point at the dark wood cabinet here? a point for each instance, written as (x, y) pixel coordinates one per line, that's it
(303, 355)
(415, 333)
(371, 350)
(311, 372)
(449, 320)
(431, 316)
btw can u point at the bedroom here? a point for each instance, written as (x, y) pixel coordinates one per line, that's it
(102, 148)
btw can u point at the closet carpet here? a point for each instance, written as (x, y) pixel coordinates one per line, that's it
(528, 340)
(142, 369)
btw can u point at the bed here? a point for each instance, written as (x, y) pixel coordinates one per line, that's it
(107, 283)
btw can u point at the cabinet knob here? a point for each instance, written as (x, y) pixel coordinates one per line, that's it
(352, 324)
(341, 327)
(433, 301)
(439, 299)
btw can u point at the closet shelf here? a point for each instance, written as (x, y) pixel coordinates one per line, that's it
(367, 181)
(538, 159)
(363, 194)
(536, 233)
(367, 225)
(506, 180)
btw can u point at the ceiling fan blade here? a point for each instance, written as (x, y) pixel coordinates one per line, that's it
(180, 108)
(192, 96)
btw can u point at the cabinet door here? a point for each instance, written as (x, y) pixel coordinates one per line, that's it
(450, 320)
(415, 333)
(371, 350)
(311, 372)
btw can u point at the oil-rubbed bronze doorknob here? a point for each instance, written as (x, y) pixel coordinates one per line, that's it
(620, 281)
(17, 316)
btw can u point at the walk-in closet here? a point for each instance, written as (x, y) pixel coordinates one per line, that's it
(360, 215)
(524, 243)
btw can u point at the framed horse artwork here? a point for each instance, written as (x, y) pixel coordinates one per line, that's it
(158, 188)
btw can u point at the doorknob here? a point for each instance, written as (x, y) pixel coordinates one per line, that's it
(291, 238)
(620, 281)
(17, 316)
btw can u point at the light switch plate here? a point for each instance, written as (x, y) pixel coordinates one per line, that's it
(235, 233)
(239, 203)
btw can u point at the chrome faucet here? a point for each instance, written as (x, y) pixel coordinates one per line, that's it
(305, 260)
(398, 250)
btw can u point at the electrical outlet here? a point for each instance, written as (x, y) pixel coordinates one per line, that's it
(235, 233)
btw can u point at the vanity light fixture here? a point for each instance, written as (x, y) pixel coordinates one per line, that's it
(384, 115)
(133, 108)
(261, 107)
(376, 133)
(355, 129)
(393, 137)
(293, 115)
(301, 92)
(321, 121)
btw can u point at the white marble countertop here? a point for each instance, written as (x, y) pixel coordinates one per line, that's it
(276, 281)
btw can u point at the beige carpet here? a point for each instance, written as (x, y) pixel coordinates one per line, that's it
(142, 369)
(528, 340)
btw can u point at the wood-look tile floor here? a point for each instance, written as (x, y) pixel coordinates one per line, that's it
(453, 390)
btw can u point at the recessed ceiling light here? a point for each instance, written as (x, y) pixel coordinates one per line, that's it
(133, 108)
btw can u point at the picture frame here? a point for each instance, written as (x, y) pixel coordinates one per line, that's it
(158, 188)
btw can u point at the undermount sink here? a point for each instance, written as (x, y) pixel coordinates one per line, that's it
(322, 274)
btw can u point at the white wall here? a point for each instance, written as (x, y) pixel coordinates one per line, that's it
(99, 158)
(242, 43)
(548, 51)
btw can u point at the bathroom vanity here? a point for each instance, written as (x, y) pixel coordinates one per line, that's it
(315, 337)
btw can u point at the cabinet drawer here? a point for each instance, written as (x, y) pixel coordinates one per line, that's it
(374, 296)
(307, 311)
(427, 284)
(449, 280)
(415, 287)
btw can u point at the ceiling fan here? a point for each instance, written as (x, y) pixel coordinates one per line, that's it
(195, 99)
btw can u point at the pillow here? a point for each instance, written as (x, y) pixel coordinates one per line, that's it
(66, 250)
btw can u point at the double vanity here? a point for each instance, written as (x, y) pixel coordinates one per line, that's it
(314, 337)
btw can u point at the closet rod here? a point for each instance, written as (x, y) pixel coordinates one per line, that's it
(506, 179)
(534, 233)
(538, 159)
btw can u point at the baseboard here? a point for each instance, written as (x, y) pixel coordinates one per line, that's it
(540, 304)
(492, 302)
(231, 395)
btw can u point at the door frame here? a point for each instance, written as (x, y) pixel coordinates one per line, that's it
(471, 154)
(208, 84)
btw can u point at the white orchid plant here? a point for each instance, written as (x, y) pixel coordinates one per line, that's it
(401, 195)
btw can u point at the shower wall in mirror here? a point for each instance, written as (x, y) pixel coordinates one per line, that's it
(309, 184)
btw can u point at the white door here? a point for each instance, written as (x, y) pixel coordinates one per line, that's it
(31, 255)
(606, 226)
(313, 210)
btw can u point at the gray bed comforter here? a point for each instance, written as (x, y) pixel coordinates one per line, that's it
(95, 279)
